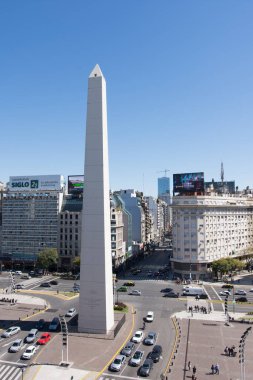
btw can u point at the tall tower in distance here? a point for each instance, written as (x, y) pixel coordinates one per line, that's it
(96, 314)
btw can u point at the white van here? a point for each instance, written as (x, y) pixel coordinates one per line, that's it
(150, 316)
(194, 291)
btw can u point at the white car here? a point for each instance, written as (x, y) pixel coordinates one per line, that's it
(137, 358)
(29, 352)
(138, 337)
(16, 345)
(150, 316)
(135, 293)
(240, 292)
(251, 290)
(118, 363)
(11, 331)
(225, 293)
(71, 312)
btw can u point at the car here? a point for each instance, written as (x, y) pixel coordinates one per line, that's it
(251, 290)
(25, 277)
(129, 283)
(146, 368)
(11, 331)
(76, 289)
(228, 286)
(16, 345)
(71, 312)
(19, 286)
(150, 339)
(117, 363)
(136, 271)
(54, 282)
(225, 293)
(137, 358)
(166, 290)
(54, 324)
(18, 272)
(128, 349)
(155, 354)
(241, 299)
(45, 337)
(40, 324)
(29, 352)
(31, 273)
(45, 285)
(171, 295)
(138, 337)
(150, 316)
(240, 292)
(135, 293)
(31, 336)
(122, 289)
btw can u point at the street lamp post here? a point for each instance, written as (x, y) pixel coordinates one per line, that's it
(241, 351)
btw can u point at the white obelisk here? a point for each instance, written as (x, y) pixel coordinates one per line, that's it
(96, 313)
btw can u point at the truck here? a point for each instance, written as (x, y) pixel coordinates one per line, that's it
(195, 291)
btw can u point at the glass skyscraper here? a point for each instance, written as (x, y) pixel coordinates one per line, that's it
(163, 186)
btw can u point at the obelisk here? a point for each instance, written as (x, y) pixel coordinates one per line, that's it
(96, 313)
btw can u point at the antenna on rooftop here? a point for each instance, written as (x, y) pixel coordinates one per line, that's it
(164, 171)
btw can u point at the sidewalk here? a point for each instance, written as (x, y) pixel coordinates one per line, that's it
(202, 342)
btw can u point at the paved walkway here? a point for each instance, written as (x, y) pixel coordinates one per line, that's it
(202, 342)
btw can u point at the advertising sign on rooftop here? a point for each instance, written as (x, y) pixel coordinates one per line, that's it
(188, 182)
(36, 183)
(75, 184)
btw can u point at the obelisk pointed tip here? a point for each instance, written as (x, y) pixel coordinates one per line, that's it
(96, 72)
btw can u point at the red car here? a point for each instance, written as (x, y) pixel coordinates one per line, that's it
(44, 338)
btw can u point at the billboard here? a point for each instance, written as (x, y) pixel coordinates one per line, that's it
(75, 184)
(36, 183)
(188, 182)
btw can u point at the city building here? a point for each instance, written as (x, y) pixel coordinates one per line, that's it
(163, 186)
(69, 230)
(30, 210)
(207, 228)
(118, 246)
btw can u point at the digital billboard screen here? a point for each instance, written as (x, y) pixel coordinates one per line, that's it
(75, 184)
(188, 182)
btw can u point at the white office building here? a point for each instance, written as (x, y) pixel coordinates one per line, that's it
(207, 228)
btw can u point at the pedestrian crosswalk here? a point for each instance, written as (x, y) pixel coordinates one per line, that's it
(10, 372)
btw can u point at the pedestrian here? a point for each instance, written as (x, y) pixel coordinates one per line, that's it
(189, 365)
(213, 369)
(194, 369)
(226, 350)
(217, 369)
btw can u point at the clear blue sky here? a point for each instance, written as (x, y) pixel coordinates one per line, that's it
(179, 87)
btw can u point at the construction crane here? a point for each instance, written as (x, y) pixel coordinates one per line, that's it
(164, 171)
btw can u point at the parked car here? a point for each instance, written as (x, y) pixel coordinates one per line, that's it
(146, 368)
(240, 292)
(18, 272)
(40, 324)
(31, 336)
(45, 337)
(16, 345)
(129, 283)
(19, 286)
(29, 352)
(135, 293)
(118, 363)
(25, 277)
(137, 358)
(171, 295)
(11, 331)
(150, 316)
(150, 339)
(155, 354)
(136, 271)
(122, 289)
(55, 324)
(45, 285)
(71, 312)
(138, 337)
(241, 299)
(128, 349)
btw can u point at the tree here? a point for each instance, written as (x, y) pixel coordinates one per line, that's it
(226, 265)
(76, 262)
(47, 258)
